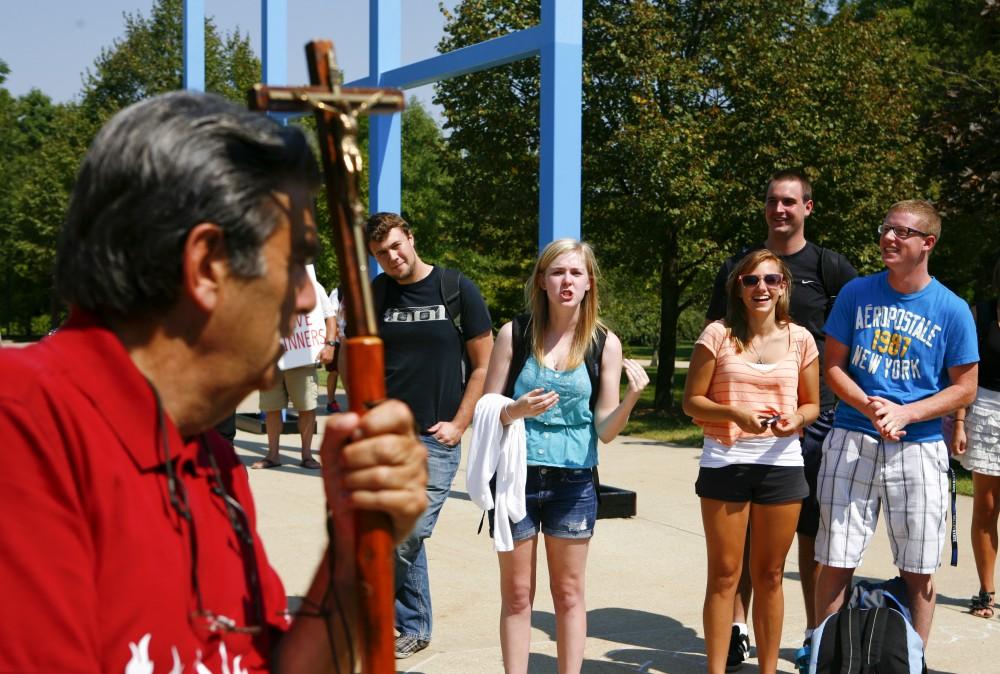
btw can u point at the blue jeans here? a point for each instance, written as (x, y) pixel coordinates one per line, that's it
(413, 589)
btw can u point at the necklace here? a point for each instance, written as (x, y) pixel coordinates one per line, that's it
(760, 361)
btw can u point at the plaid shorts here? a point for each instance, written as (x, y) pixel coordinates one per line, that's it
(861, 474)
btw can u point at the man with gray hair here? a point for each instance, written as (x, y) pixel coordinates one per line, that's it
(129, 527)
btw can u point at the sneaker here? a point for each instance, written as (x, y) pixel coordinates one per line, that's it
(333, 407)
(739, 649)
(408, 644)
(802, 657)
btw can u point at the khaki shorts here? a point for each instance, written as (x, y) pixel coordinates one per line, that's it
(298, 385)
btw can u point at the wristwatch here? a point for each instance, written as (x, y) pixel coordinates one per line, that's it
(330, 342)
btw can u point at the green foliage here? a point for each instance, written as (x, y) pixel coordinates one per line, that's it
(629, 306)
(954, 93)
(962, 115)
(426, 183)
(688, 107)
(492, 156)
(148, 60)
(42, 145)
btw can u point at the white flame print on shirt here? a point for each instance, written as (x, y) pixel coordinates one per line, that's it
(141, 664)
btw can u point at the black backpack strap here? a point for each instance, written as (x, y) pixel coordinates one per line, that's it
(379, 284)
(849, 636)
(520, 339)
(450, 286)
(451, 295)
(593, 362)
(829, 272)
(874, 634)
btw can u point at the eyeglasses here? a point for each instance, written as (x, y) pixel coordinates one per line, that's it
(204, 621)
(770, 280)
(900, 231)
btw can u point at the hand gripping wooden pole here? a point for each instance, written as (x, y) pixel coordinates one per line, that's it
(336, 111)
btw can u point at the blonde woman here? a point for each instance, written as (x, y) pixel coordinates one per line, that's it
(753, 385)
(549, 366)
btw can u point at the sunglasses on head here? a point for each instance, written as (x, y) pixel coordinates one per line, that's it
(770, 280)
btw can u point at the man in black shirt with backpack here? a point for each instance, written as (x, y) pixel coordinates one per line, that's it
(818, 274)
(438, 337)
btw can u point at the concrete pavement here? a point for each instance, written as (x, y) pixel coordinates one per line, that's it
(645, 579)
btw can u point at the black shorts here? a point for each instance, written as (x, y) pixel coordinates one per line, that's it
(812, 455)
(744, 482)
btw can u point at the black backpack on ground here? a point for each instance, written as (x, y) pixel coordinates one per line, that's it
(870, 634)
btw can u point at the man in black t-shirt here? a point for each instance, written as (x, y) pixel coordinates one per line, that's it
(818, 274)
(425, 353)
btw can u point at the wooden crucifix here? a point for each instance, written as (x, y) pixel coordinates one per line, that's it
(336, 110)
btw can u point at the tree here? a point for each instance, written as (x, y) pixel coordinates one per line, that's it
(956, 97)
(688, 107)
(960, 48)
(426, 181)
(148, 60)
(43, 144)
(492, 122)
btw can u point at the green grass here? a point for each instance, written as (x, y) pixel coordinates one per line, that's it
(674, 427)
(963, 479)
(645, 352)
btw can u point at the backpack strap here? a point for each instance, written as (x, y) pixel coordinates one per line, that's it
(451, 295)
(450, 286)
(520, 338)
(593, 362)
(379, 284)
(829, 272)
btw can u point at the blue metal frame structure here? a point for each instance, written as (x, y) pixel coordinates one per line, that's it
(194, 44)
(557, 40)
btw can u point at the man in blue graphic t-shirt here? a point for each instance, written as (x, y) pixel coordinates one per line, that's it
(900, 353)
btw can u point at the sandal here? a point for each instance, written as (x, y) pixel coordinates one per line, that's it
(265, 463)
(982, 605)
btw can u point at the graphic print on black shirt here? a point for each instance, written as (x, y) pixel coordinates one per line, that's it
(423, 355)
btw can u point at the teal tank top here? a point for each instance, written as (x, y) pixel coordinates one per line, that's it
(564, 436)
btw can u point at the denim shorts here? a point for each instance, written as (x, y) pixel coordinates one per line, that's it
(560, 502)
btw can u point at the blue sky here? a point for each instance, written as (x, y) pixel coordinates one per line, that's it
(48, 44)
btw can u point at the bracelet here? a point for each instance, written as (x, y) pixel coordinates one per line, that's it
(959, 421)
(330, 342)
(504, 411)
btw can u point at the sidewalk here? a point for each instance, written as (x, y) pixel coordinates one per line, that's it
(645, 579)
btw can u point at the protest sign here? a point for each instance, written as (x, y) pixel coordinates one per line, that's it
(302, 347)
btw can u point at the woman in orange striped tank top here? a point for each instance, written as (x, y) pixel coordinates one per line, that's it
(753, 385)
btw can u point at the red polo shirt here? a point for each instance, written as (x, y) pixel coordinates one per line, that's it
(95, 563)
